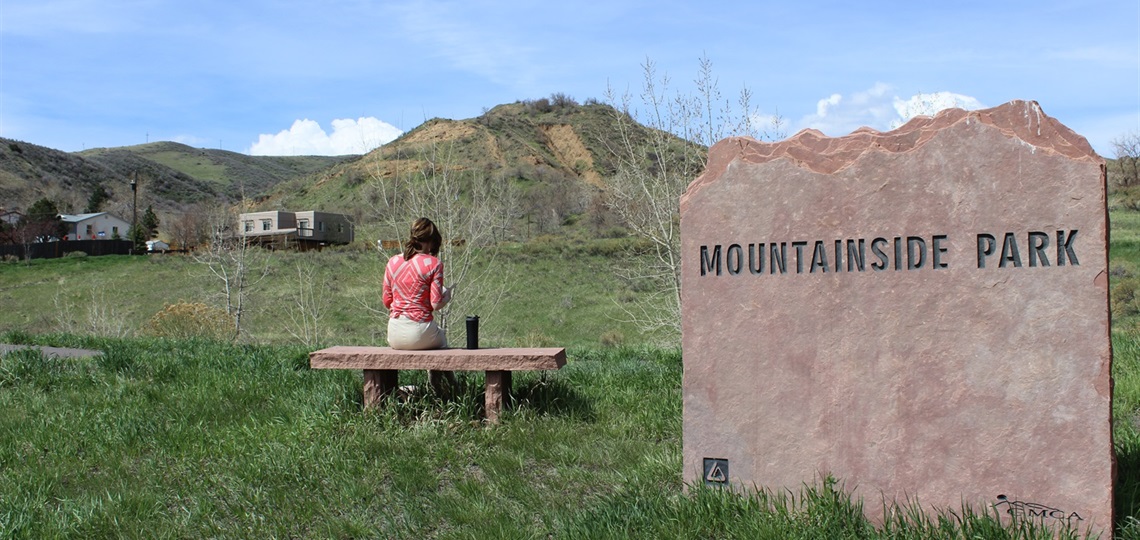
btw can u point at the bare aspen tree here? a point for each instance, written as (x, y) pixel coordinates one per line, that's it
(473, 211)
(654, 166)
(1127, 150)
(237, 265)
(309, 304)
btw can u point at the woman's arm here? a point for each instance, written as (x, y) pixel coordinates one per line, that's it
(386, 296)
(438, 299)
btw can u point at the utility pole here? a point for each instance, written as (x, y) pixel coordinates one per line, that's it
(134, 207)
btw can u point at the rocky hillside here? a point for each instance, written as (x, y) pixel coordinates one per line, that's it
(557, 152)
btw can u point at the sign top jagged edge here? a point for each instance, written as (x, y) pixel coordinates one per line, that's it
(812, 150)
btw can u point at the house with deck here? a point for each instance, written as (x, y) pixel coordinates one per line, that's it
(296, 230)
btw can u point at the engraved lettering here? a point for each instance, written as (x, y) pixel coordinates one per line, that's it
(878, 251)
(755, 259)
(1009, 252)
(937, 251)
(734, 259)
(898, 253)
(708, 263)
(1038, 241)
(779, 258)
(1065, 247)
(856, 255)
(819, 257)
(799, 256)
(915, 252)
(986, 245)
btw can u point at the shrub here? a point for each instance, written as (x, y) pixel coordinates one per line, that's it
(1130, 198)
(1124, 298)
(191, 320)
(612, 338)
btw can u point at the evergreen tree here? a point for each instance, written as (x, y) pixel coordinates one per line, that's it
(42, 210)
(95, 203)
(42, 221)
(149, 223)
(138, 237)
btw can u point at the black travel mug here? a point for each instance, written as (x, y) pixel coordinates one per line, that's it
(473, 332)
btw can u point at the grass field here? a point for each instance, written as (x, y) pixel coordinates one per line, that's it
(189, 439)
(558, 291)
(162, 439)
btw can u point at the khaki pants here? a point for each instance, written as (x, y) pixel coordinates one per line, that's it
(406, 334)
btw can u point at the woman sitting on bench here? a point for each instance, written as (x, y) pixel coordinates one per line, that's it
(413, 289)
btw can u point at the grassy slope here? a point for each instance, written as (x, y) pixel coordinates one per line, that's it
(227, 172)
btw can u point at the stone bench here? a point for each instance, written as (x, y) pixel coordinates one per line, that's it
(381, 366)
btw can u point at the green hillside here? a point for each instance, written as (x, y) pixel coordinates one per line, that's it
(229, 173)
(29, 172)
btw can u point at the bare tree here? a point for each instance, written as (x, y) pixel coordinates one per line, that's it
(654, 166)
(1127, 149)
(310, 304)
(473, 210)
(238, 266)
(188, 229)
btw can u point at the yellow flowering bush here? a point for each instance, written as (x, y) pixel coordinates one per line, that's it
(189, 320)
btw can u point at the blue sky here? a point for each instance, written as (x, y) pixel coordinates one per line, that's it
(333, 76)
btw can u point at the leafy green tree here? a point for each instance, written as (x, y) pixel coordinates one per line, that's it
(95, 203)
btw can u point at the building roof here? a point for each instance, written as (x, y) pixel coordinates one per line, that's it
(76, 218)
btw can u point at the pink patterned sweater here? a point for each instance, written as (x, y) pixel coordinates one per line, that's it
(413, 288)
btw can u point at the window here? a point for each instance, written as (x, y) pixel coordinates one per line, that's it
(340, 227)
(89, 231)
(321, 226)
(266, 224)
(302, 224)
(114, 231)
(248, 225)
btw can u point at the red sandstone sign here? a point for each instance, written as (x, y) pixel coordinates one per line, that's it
(922, 314)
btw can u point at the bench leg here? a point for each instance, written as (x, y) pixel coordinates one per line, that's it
(378, 384)
(498, 385)
(442, 382)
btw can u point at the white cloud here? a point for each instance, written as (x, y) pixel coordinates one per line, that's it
(824, 104)
(877, 108)
(306, 138)
(929, 104)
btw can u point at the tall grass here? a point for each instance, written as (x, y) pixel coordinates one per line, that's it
(164, 438)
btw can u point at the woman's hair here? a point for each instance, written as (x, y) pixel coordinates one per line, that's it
(425, 238)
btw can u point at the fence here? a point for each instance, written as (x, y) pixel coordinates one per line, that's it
(51, 250)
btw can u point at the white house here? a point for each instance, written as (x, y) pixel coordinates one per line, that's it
(98, 226)
(157, 246)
